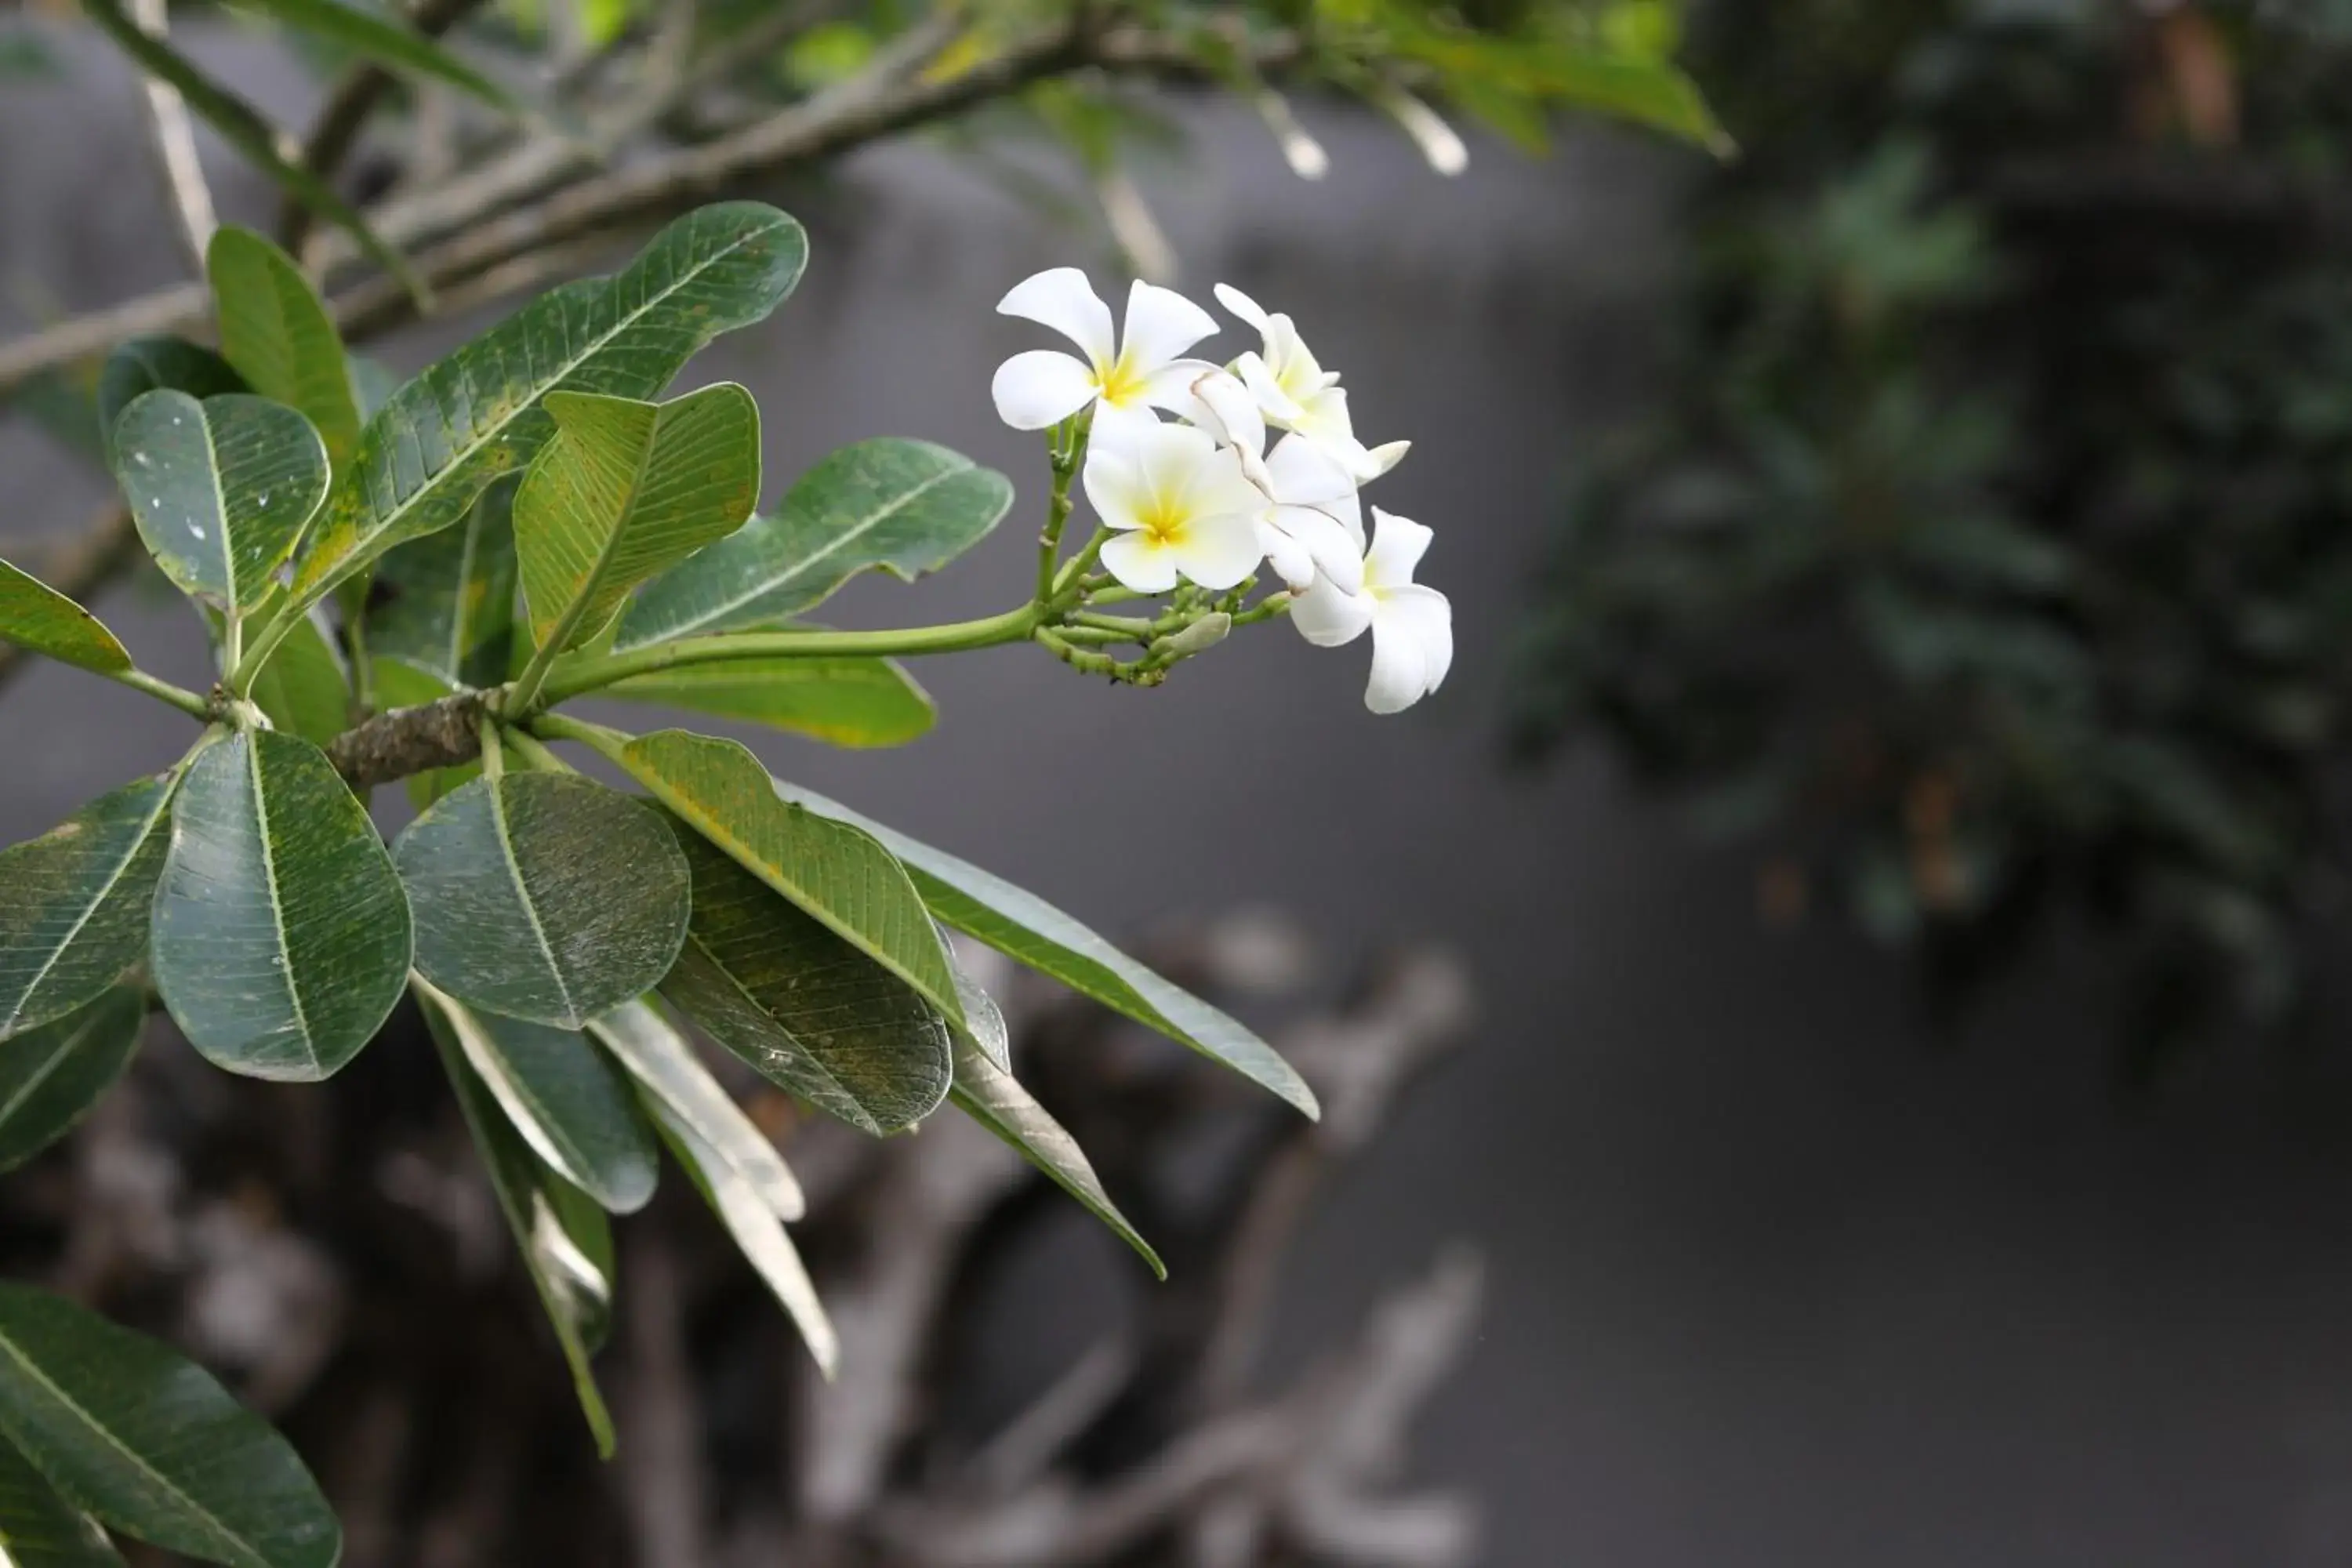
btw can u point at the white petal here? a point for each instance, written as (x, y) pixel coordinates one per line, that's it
(1062, 298)
(1172, 458)
(1303, 474)
(1120, 427)
(1115, 485)
(1218, 550)
(1427, 617)
(1279, 406)
(1328, 544)
(1288, 556)
(1387, 455)
(1140, 561)
(1400, 667)
(1040, 388)
(1327, 617)
(1219, 404)
(1398, 545)
(1161, 325)
(1171, 386)
(1292, 362)
(1242, 306)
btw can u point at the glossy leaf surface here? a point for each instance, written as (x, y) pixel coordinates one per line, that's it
(278, 336)
(34, 616)
(220, 489)
(858, 702)
(664, 1063)
(74, 903)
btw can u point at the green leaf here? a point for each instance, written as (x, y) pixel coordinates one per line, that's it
(853, 701)
(544, 896)
(303, 688)
(672, 1076)
(906, 507)
(39, 1529)
(276, 331)
(126, 1429)
(386, 42)
(758, 1233)
(838, 874)
(74, 903)
(153, 364)
(220, 489)
(50, 1079)
(282, 937)
(808, 1011)
(1021, 925)
(623, 492)
(447, 601)
(242, 127)
(476, 414)
(566, 1240)
(571, 1105)
(994, 1097)
(34, 616)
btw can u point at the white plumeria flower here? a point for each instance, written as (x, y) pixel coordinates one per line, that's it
(1313, 522)
(1411, 627)
(1181, 506)
(1292, 388)
(1123, 378)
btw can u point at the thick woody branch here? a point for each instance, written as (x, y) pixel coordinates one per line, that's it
(410, 741)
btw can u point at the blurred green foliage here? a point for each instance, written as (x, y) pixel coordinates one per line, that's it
(1987, 562)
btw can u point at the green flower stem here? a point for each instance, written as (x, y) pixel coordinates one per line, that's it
(1266, 609)
(186, 701)
(592, 674)
(1067, 460)
(1078, 565)
(605, 741)
(535, 755)
(1135, 627)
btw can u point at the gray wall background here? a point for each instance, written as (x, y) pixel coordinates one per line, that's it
(1777, 1280)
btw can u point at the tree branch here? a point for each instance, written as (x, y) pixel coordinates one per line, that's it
(410, 741)
(175, 145)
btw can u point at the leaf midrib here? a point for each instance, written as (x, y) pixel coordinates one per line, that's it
(806, 562)
(276, 907)
(212, 1521)
(873, 1124)
(498, 794)
(146, 831)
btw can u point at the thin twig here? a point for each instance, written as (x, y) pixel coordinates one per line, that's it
(175, 145)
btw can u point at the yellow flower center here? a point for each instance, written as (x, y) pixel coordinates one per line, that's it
(1120, 385)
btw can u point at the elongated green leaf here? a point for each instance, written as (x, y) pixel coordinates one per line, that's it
(566, 1240)
(985, 1019)
(544, 896)
(838, 874)
(758, 1233)
(807, 1010)
(1021, 925)
(994, 1097)
(157, 365)
(303, 688)
(129, 1430)
(666, 1067)
(276, 331)
(906, 507)
(624, 491)
(571, 1105)
(220, 489)
(281, 935)
(447, 601)
(39, 1529)
(34, 616)
(242, 127)
(74, 902)
(476, 414)
(50, 1078)
(846, 701)
(387, 43)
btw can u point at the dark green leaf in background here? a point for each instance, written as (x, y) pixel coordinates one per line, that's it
(278, 337)
(158, 365)
(281, 937)
(39, 1529)
(74, 903)
(571, 1105)
(476, 414)
(387, 43)
(34, 616)
(544, 896)
(446, 601)
(50, 1078)
(220, 489)
(807, 1010)
(126, 1429)
(624, 491)
(566, 1240)
(1023, 926)
(906, 507)
(837, 874)
(852, 701)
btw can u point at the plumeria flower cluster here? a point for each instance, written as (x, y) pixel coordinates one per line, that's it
(1192, 502)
